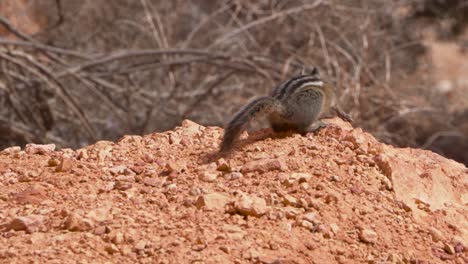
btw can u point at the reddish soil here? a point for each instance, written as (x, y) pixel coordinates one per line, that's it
(337, 196)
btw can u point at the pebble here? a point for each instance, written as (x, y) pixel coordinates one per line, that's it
(223, 166)
(436, 235)
(334, 228)
(449, 249)
(311, 217)
(117, 238)
(251, 206)
(122, 186)
(307, 224)
(119, 169)
(75, 222)
(212, 201)
(208, 176)
(289, 200)
(368, 236)
(140, 245)
(111, 249)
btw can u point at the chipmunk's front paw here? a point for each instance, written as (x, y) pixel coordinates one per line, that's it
(346, 117)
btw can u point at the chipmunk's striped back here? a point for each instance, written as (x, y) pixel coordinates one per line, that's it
(288, 87)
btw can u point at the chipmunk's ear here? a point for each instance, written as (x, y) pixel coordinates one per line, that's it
(309, 71)
(315, 71)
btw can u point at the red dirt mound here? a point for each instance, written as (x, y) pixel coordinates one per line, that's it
(337, 196)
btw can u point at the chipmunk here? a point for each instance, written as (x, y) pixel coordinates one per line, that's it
(294, 105)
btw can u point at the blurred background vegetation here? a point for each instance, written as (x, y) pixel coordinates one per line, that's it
(74, 72)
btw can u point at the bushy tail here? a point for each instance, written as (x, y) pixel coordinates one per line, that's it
(259, 107)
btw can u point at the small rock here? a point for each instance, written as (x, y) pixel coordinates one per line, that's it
(387, 183)
(288, 182)
(140, 245)
(405, 206)
(100, 230)
(39, 149)
(251, 206)
(171, 188)
(174, 138)
(436, 235)
(208, 176)
(122, 186)
(137, 169)
(368, 236)
(311, 217)
(306, 224)
(212, 201)
(195, 191)
(289, 200)
(173, 166)
(191, 128)
(334, 228)
(75, 222)
(324, 230)
(100, 214)
(198, 247)
(356, 189)
(225, 249)
(292, 213)
(125, 178)
(264, 166)
(106, 187)
(126, 250)
(449, 249)
(64, 165)
(223, 166)
(117, 238)
(111, 249)
(68, 153)
(119, 169)
(335, 178)
(30, 223)
(359, 140)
